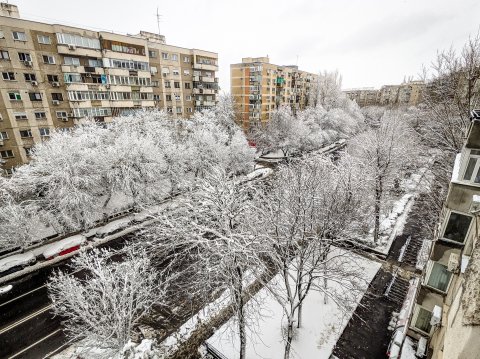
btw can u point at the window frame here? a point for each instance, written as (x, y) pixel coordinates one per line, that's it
(445, 224)
(8, 73)
(19, 39)
(49, 41)
(18, 96)
(12, 155)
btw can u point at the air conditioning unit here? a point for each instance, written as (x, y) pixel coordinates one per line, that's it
(72, 47)
(34, 83)
(453, 262)
(88, 75)
(1, 142)
(56, 102)
(64, 119)
(436, 316)
(28, 63)
(107, 86)
(70, 114)
(56, 84)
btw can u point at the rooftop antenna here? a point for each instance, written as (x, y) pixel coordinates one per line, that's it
(158, 21)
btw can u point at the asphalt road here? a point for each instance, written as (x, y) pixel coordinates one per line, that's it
(28, 328)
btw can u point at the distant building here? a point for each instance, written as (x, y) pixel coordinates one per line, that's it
(408, 93)
(446, 315)
(259, 87)
(55, 75)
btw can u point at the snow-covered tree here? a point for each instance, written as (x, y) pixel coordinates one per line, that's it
(384, 153)
(105, 304)
(304, 216)
(209, 231)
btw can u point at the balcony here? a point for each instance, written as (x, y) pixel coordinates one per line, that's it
(205, 67)
(207, 79)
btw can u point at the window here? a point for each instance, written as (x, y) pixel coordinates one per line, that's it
(6, 154)
(188, 98)
(44, 39)
(30, 77)
(186, 59)
(35, 96)
(19, 36)
(77, 40)
(155, 83)
(168, 84)
(472, 172)
(179, 110)
(421, 319)
(438, 276)
(26, 133)
(28, 151)
(186, 72)
(176, 84)
(14, 96)
(174, 57)
(9, 76)
(152, 53)
(3, 136)
(156, 97)
(165, 56)
(169, 110)
(457, 227)
(187, 85)
(57, 96)
(48, 59)
(24, 56)
(2, 35)
(94, 62)
(175, 72)
(52, 78)
(75, 61)
(4, 55)
(61, 114)
(189, 109)
(69, 78)
(44, 132)
(168, 97)
(40, 115)
(177, 97)
(20, 116)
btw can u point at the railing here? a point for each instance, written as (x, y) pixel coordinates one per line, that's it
(214, 353)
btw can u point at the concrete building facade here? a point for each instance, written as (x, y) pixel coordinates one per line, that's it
(53, 76)
(259, 87)
(446, 313)
(408, 93)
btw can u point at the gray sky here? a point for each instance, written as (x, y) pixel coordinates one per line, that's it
(371, 42)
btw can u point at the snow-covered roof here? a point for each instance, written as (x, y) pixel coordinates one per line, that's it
(54, 249)
(16, 260)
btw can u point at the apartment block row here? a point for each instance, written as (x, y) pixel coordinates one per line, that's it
(408, 93)
(259, 87)
(53, 76)
(445, 318)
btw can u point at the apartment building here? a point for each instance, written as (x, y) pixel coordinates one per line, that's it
(408, 93)
(366, 96)
(259, 87)
(54, 76)
(446, 314)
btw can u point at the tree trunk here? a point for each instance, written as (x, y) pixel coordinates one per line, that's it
(378, 197)
(288, 344)
(240, 313)
(300, 306)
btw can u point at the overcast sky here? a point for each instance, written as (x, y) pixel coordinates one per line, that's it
(371, 42)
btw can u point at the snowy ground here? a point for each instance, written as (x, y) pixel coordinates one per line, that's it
(322, 326)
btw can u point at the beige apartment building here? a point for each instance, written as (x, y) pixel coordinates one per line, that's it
(54, 76)
(445, 319)
(408, 93)
(259, 87)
